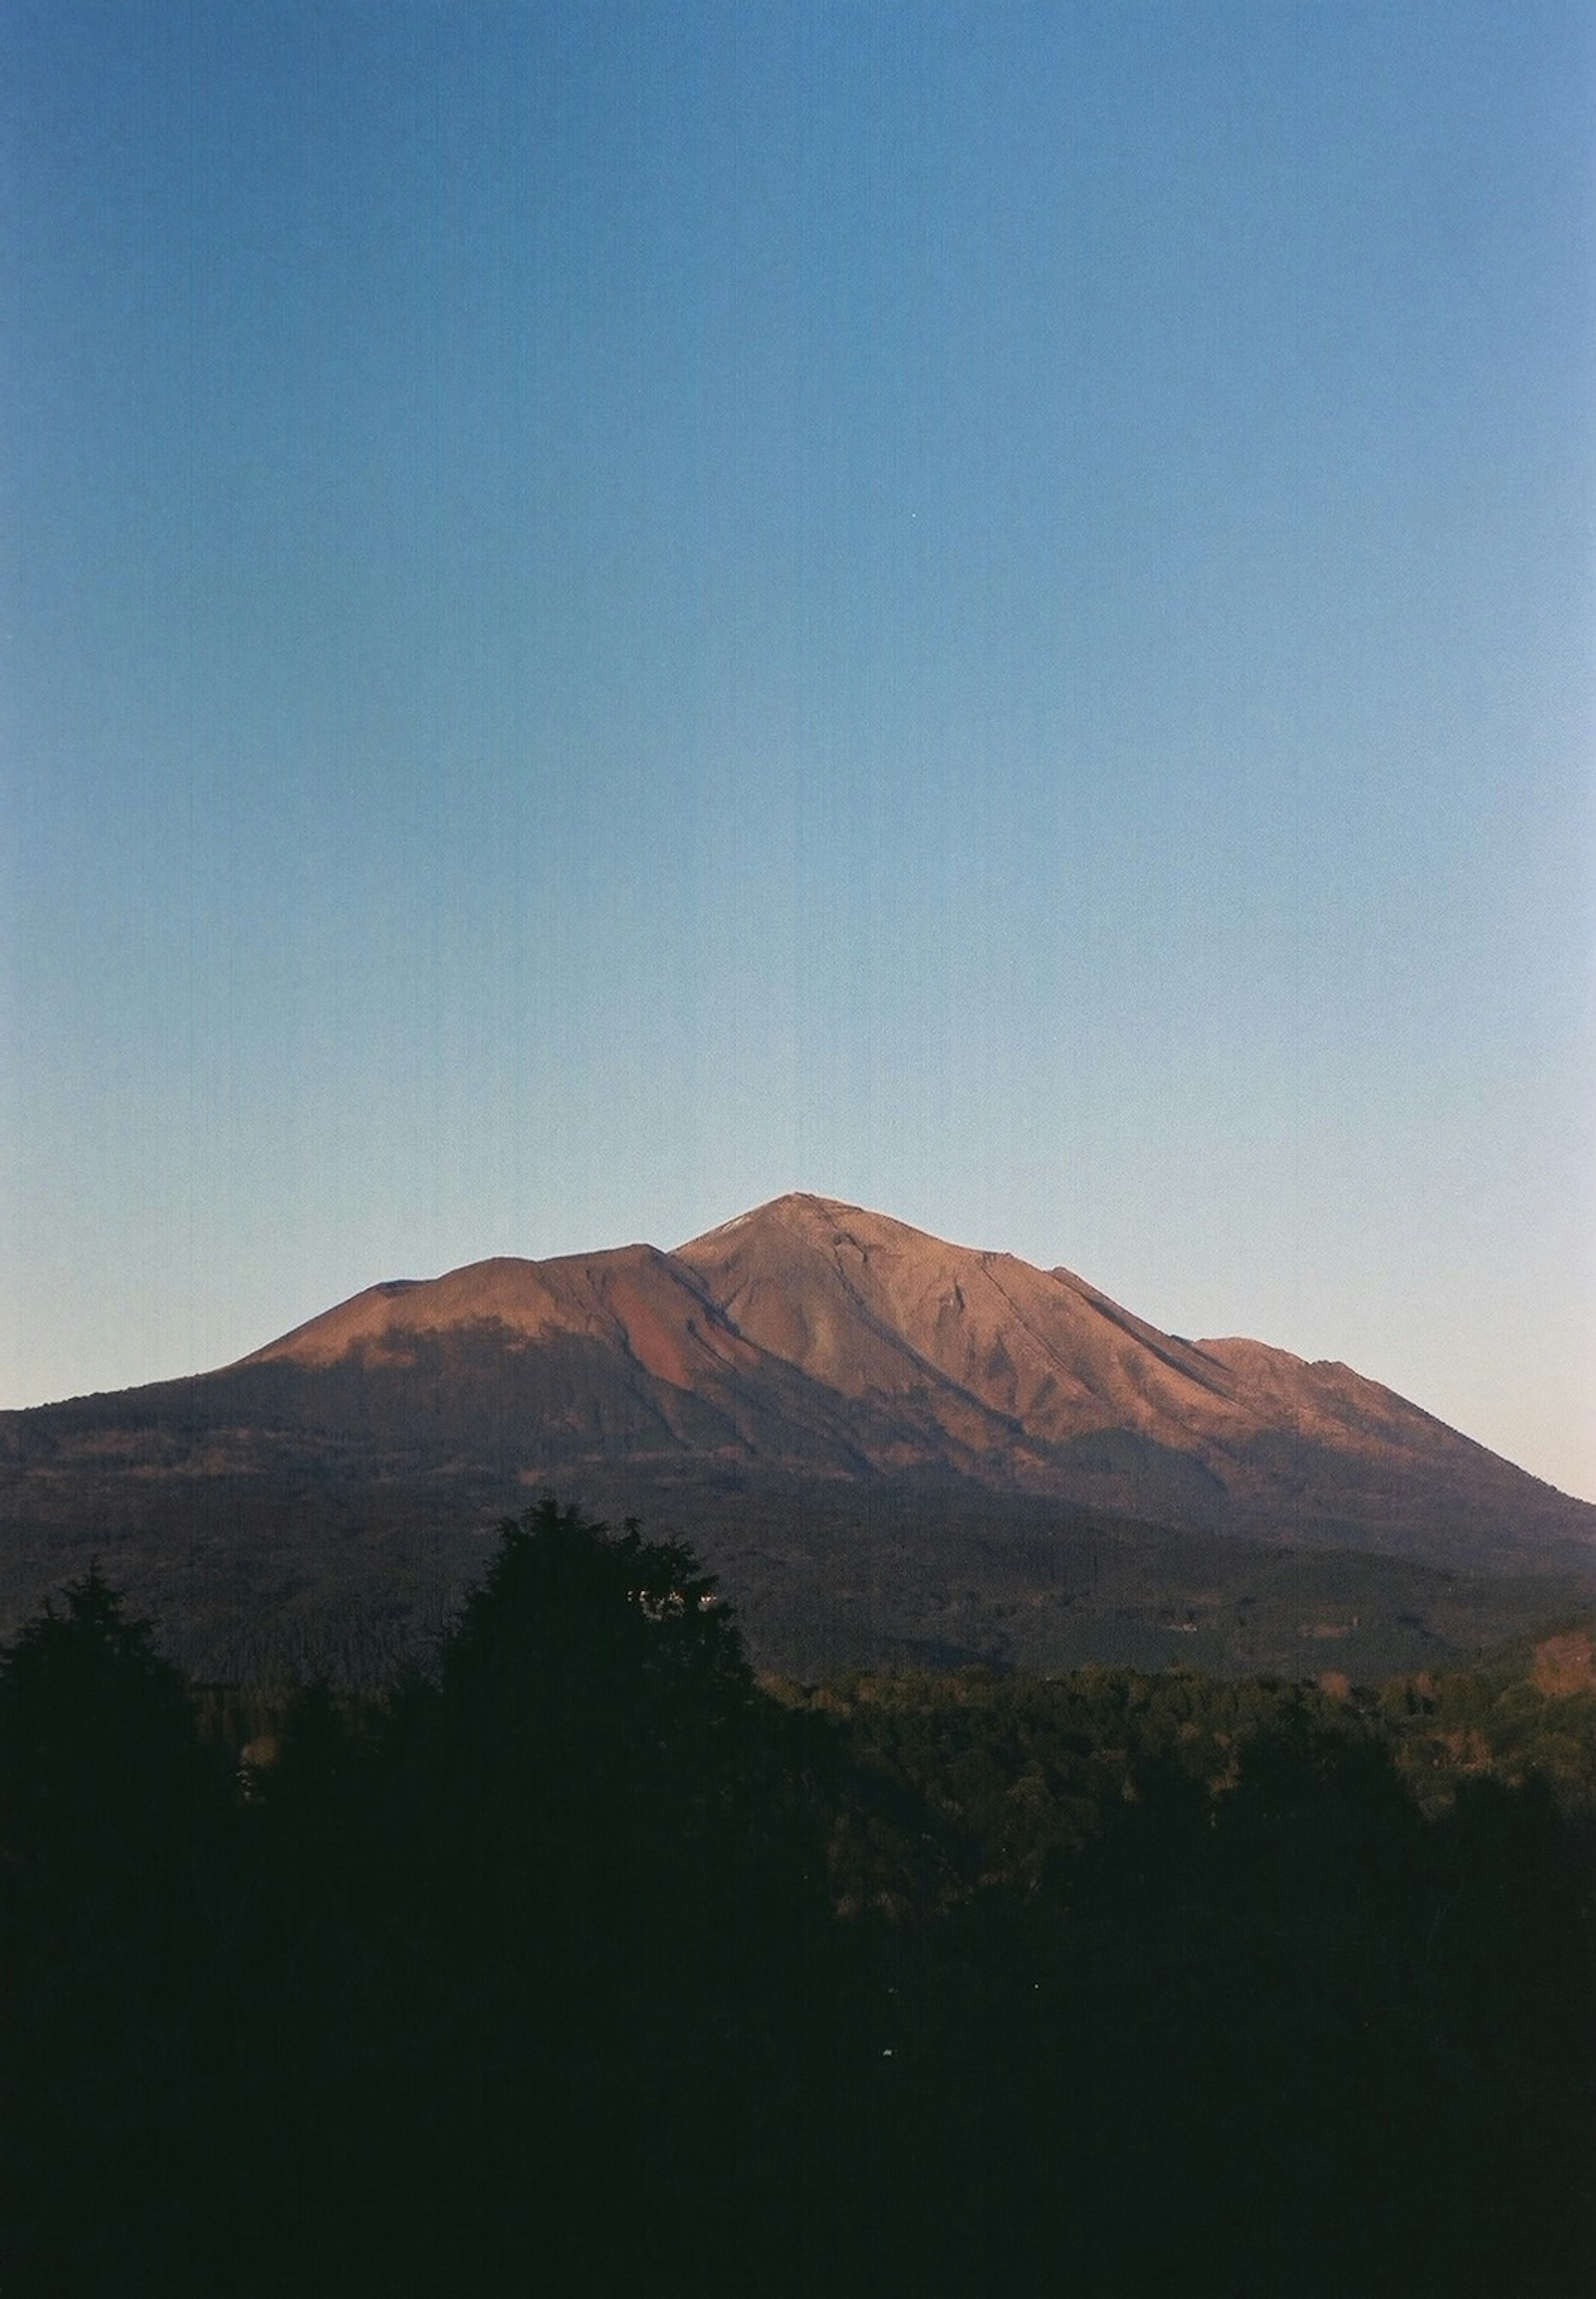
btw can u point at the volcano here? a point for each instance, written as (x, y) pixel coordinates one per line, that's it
(812, 1337)
(806, 1347)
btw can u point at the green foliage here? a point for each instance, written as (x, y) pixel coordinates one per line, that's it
(1492, 1723)
(977, 1780)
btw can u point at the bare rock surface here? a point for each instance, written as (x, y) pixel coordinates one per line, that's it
(807, 1352)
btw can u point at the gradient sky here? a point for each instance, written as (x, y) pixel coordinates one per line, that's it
(987, 609)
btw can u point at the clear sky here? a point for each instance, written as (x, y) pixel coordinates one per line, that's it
(987, 609)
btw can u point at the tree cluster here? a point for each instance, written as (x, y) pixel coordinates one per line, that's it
(586, 1964)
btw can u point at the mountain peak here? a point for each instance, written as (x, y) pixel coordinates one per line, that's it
(792, 1206)
(810, 1329)
(804, 1213)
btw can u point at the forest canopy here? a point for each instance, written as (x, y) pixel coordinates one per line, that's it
(585, 1960)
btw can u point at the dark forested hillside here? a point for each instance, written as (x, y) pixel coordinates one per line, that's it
(586, 1961)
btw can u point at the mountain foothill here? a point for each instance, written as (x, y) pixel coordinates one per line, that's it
(890, 1448)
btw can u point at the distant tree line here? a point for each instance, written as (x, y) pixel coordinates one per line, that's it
(586, 1964)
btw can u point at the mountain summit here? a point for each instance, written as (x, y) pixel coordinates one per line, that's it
(892, 1448)
(812, 1337)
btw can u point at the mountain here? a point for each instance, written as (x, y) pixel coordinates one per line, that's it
(806, 1348)
(812, 1337)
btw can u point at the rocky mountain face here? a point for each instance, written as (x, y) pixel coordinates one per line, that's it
(813, 1337)
(805, 1346)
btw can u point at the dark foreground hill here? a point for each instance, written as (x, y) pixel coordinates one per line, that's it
(889, 1446)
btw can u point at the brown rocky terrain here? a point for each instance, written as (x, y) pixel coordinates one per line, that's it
(809, 1336)
(806, 1360)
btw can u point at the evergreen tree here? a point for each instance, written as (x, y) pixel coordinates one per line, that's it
(98, 1756)
(114, 1828)
(590, 1892)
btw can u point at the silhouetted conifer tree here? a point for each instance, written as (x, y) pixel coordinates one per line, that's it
(586, 1885)
(115, 1858)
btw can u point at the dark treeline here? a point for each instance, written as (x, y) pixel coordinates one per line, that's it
(585, 1963)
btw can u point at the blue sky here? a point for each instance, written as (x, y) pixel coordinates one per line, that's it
(986, 609)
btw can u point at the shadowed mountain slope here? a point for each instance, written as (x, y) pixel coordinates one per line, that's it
(1033, 1377)
(805, 1348)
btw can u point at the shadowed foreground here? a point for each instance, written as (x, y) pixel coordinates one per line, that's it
(586, 1964)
